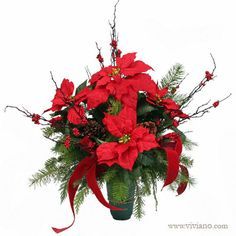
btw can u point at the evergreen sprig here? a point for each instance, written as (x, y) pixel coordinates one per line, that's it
(173, 77)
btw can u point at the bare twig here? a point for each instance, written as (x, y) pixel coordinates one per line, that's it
(24, 111)
(53, 80)
(114, 36)
(202, 109)
(99, 56)
(199, 87)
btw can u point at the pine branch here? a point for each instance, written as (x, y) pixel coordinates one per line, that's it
(188, 144)
(174, 77)
(43, 177)
(80, 197)
(138, 203)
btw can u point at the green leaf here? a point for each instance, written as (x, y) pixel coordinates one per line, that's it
(145, 108)
(81, 86)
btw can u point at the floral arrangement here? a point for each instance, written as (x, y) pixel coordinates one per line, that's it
(120, 128)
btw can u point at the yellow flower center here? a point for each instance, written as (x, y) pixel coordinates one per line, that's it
(115, 71)
(125, 139)
(158, 98)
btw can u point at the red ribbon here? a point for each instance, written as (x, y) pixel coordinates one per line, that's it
(87, 168)
(172, 145)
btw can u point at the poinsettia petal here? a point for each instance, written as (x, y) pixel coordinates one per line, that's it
(67, 87)
(76, 115)
(82, 95)
(170, 104)
(128, 99)
(143, 82)
(95, 77)
(144, 140)
(162, 92)
(121, 124)
(136, 68)
(96, 97)
(103, 81)
(127, 155)
(125, 60)
(106, 153)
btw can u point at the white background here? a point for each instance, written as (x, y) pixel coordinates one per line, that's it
(39, 36)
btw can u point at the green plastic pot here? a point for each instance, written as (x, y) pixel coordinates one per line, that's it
(126, 205)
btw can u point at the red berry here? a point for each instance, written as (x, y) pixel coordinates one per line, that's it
(36, 118)
(67, 141)
(76, 132)
(216, 104)
(118, 53)
(114, 44)
(100, 58)
(208, 75)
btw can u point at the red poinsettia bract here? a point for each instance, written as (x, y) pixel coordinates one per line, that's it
(64, 98)
(132, 140)
(157, 97)
(125, 66)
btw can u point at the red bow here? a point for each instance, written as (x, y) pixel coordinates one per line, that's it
(87, 168)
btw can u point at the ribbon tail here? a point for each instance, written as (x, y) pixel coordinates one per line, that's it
(93, 185)
(183, 185)
(172, 166)
(78, 174)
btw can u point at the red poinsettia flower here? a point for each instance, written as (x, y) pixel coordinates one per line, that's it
(132, 140)
(125, 66)
(157, 97)
(64, 98)
(124, 90)
(127, 89)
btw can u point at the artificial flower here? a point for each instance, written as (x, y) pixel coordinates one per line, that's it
(132, 140)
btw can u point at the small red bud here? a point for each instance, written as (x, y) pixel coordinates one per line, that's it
(216, 104)
(36, 118)
(118, 53)
(113, 43)
(175, 123)
(76, 132)
(67, 141)
(208, 75)
(100, 58)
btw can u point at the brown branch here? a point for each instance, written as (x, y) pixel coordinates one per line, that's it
(202, 109)
(99, 56)
(199, 87)
(26, 113)
(53, 80)
(114, 34)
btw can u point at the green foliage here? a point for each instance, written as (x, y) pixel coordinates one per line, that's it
(80, 196)
(48, 131)
(178, 98)
(115, 106)
(118, 190)
(138, 203)
(45, 175)
(174, 76)
(188, 144)
(81, 86)
(98, 113)
(186, 161)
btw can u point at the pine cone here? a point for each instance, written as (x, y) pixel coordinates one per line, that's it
(149, 125)
(93, 128)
